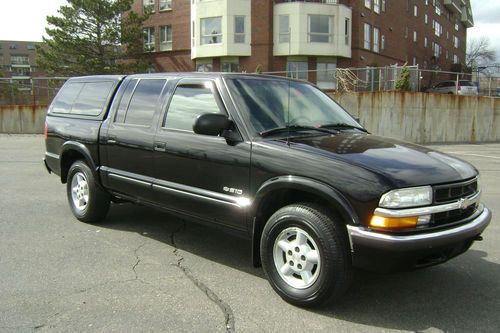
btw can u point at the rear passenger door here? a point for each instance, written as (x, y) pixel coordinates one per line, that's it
(128, 152)
(200, 175)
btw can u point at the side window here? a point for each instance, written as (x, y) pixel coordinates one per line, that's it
(92, 98)
(124, 101)
(142, 105)
(66, 97)
(188, 102)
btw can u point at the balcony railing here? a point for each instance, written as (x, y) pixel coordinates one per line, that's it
(329, 2)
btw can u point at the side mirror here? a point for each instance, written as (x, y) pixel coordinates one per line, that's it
(211, 124)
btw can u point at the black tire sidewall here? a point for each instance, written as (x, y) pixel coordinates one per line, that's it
(98, 203)
(325, 285)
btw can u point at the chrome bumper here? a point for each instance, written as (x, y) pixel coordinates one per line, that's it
(362, 236)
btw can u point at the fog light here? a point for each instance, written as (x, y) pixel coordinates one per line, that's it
(394, 222)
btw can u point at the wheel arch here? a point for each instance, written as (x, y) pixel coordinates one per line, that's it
(72, 151)
(281, 191)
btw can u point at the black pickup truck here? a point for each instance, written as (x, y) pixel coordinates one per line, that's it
(268, 158)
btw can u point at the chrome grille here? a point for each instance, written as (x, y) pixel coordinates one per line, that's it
(453, 192)
(450, 193)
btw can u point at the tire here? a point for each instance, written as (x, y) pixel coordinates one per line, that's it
(87, 201)
(306, 231)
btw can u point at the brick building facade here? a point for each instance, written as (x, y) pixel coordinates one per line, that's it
(304, 35)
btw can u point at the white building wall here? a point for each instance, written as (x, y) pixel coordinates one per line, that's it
(227, 9)
(298, 19)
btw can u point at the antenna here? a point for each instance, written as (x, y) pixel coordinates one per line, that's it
(289, 86)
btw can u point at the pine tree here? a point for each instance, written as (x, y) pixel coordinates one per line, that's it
(404, 80)
(94, 37)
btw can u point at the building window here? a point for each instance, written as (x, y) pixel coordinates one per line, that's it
(165, 5)
(425, 41)
(326, 75)
(426, 19)
(415, 36)
(367, 30)
(19, 60)
(376, 6)
(12, 46)
(456, 42)
(347, 29)
(30, 47)
(436, 49)
(239, 29)
(211, 30)
(415, 11)
(166, 38)
(456, 60)
(320, 28)
(149, 39)
(368, 4)
(382, 42)
(376, 36)
(284, 29)
(383, 5)
(438, 8)
(414, 61)
(297, 69)
(148, 6)
(204, 65)
(438, 28)
(230, 65)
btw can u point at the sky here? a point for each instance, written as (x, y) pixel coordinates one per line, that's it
(25, 19)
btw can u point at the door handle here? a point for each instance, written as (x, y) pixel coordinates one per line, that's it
(111, 140)
(160, 146)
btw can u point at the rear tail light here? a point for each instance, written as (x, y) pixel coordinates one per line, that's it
(46, 131)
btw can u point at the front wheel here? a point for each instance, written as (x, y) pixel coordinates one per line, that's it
(87, 201)
(305, 255)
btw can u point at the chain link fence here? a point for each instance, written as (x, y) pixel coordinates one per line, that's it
(386, 79)
(41, 90)
(34, 91)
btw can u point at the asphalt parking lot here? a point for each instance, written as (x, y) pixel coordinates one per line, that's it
(144, 270)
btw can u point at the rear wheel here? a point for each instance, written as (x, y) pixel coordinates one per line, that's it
(87, 201)
(305, 255)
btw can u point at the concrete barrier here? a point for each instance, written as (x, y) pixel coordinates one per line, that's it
(414, 117)
(22, 119)
(426, 118)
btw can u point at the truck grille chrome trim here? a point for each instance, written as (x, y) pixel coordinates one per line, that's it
(462, 203)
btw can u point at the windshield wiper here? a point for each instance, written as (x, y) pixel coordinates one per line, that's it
(295, 128)
(343, 125)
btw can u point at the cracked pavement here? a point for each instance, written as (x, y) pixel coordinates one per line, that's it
(144, 270)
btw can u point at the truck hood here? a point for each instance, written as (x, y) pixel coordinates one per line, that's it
(401, 163)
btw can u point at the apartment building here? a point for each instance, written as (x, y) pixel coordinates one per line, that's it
(18, 61)
(304, 35)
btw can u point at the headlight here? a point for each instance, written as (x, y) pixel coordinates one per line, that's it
(407, 197)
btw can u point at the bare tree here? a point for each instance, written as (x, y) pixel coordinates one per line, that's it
(479, 52)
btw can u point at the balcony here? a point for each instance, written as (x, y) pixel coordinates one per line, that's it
(467, 18)
(220, 28)
(329, 2)
(312, 28)
(455, 6)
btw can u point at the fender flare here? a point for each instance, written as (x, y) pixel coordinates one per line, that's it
(312, 186)
(82, 149)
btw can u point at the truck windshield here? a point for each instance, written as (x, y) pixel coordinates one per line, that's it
(269, 104)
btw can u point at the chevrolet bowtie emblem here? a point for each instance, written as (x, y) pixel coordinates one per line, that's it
(464, 203)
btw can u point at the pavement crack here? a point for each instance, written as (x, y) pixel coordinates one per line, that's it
(138, 260)
(212, 296)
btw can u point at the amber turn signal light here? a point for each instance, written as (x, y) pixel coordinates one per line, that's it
(394, 222)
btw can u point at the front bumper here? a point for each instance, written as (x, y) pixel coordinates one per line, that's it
(382, 252)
